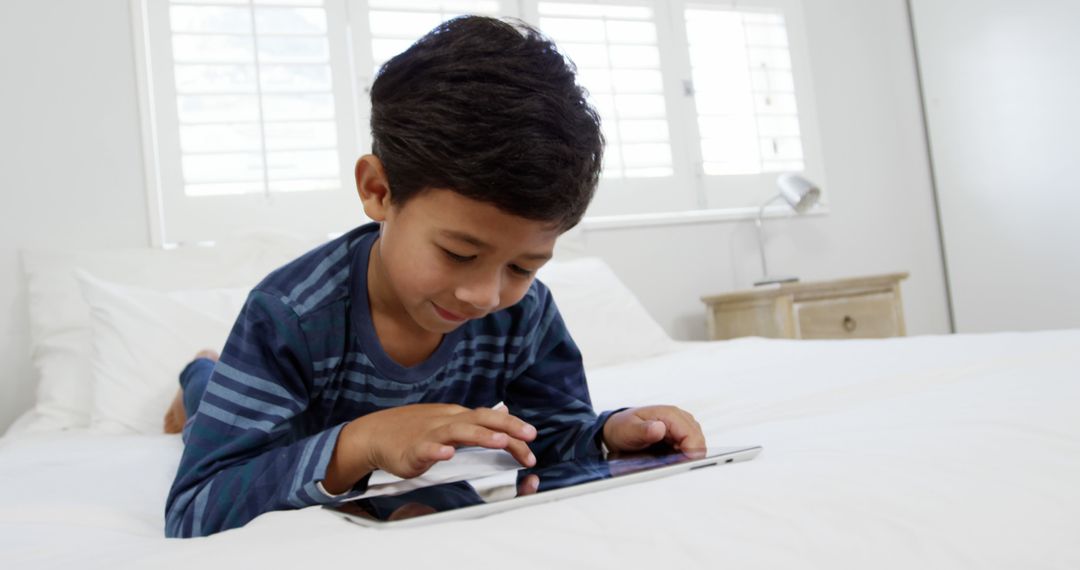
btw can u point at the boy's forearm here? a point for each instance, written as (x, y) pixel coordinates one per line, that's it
(223, 487)
(350, 461)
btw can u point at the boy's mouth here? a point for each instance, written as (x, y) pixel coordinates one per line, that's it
(447, 315)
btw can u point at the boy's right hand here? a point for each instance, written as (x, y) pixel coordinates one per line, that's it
(408, 440)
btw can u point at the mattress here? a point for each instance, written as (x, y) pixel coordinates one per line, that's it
(958, 451)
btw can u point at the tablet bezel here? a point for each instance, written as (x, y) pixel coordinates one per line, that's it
(714, 456)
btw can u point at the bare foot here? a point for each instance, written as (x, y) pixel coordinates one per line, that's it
(175, 416)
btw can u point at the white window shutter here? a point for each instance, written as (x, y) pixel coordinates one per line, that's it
(744, 91)
(394, 25)
(256, 110)
(254, 117)
(616, 50)
(752, 97)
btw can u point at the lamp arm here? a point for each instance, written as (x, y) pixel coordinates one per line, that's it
(760, 236)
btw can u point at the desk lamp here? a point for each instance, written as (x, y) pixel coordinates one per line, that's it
(801, 195)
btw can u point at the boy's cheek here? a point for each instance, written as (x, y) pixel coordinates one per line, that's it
(417, 278)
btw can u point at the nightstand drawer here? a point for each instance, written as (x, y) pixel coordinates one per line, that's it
(856, 307)
(864, 316)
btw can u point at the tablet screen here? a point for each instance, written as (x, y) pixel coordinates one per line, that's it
(505, 486)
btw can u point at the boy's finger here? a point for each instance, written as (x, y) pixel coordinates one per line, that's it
(521, 452)
(504, 422)
(693, 443)
(424, 455)
(464, 433)
(432, 451)
(685, 435)
(529, 485)
(677, 430)
(650, 432)
(410, 510)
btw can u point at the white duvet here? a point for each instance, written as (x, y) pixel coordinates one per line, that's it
(925, 452)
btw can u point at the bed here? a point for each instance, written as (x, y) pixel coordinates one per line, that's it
(959, 451)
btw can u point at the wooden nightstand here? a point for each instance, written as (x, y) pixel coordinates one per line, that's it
(860, 307)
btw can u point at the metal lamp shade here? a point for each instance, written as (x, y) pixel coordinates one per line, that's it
(799, 192)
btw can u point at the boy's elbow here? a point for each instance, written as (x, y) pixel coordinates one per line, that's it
(174, 526)
(184, 517)
(182, 525)
(193, 514)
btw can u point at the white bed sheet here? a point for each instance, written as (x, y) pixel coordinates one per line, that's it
(924, 452)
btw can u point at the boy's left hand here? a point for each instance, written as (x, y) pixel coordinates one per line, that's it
(635, 429)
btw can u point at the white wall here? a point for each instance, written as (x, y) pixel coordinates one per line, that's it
(71, 173)
(1002, 88)
(70, 156)
(878, 185)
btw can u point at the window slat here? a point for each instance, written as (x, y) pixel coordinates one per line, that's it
(744, 91)
(252, 84)
(395, 24)
(615, 47)
(257, 86)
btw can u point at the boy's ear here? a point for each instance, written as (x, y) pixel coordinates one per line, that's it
(373, 187)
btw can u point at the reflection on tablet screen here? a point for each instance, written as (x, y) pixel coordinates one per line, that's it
(450, 496)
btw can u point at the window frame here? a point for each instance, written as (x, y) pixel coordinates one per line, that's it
(363, 61)
(750, 190)
(176, 218)
(635, 196)
(687, 196)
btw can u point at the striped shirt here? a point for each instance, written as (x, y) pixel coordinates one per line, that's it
(303, 360)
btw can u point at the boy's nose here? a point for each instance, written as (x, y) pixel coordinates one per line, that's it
(481, 293)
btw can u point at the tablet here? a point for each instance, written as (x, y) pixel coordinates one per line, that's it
(513, 489)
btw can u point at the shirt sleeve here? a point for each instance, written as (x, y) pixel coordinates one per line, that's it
(241, 456)
(550, 392)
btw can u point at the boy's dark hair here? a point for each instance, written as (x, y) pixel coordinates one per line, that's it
(490, 110)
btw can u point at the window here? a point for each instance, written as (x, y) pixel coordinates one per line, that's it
(744, 92)
(395, 24)
(389, 27)
(248, 116)
(256, 110)
(254, 99)
(752, 99)
(615, 49)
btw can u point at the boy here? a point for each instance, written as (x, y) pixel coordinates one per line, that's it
(387, 347)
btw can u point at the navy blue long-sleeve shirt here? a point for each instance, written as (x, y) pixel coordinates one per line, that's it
(303, 360)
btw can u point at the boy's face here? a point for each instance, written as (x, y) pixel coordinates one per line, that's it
(445, 259)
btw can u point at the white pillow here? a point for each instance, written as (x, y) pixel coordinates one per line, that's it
(609, 324)
(606, 320)
(142, 339)
(60, 318)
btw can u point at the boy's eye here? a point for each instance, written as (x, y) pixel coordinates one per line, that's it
(517, 269)
(520, 270)
(458, 258)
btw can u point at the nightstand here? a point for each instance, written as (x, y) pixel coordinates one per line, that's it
(859, 307)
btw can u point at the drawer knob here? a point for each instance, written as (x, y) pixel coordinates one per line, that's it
(849, 323)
